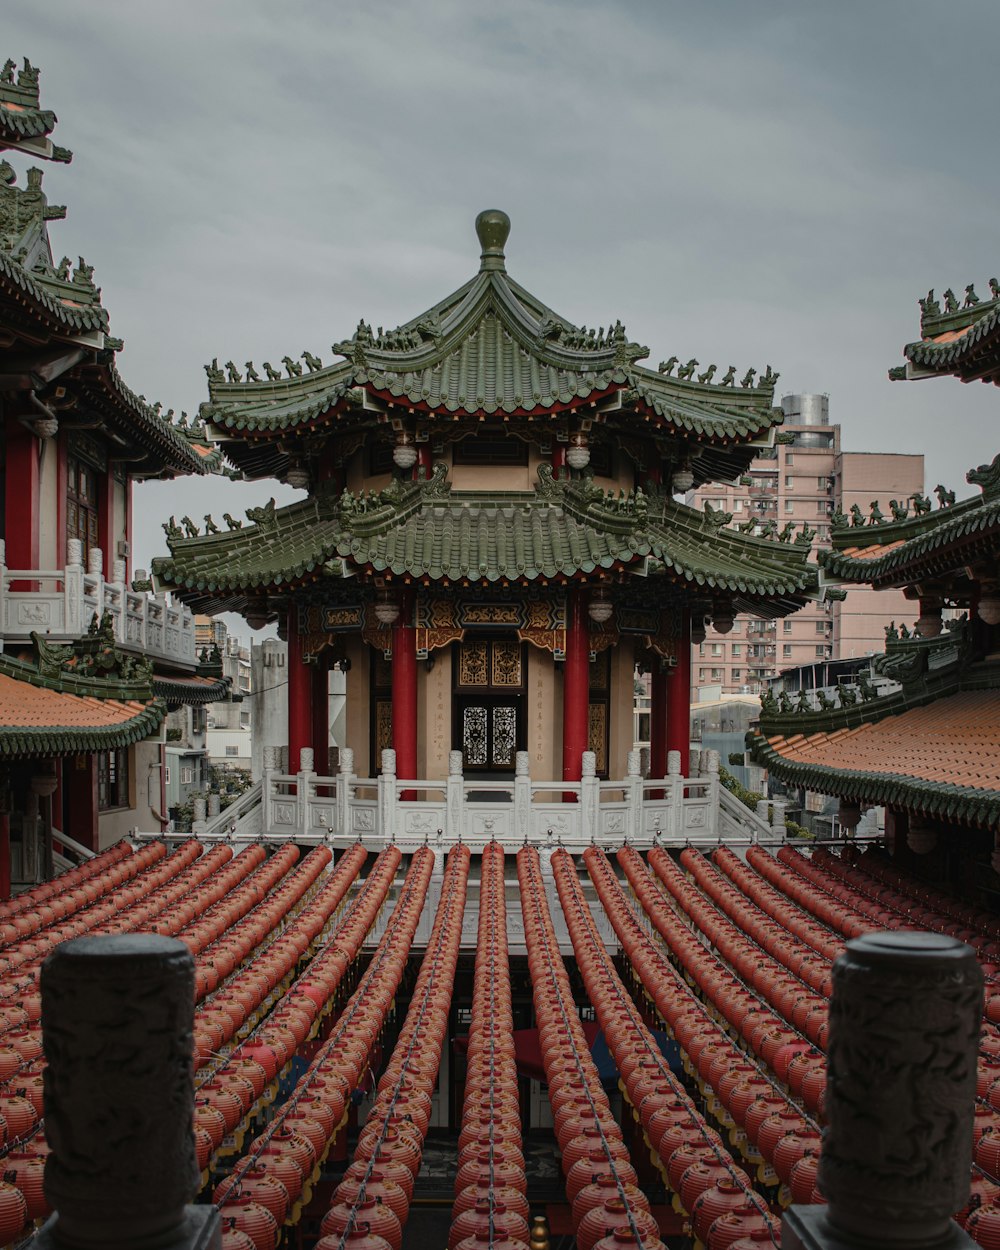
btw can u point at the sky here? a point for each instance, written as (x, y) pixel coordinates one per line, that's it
(741, 181)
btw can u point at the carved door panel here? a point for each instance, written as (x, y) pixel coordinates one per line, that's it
(489, 703)
(490, 731)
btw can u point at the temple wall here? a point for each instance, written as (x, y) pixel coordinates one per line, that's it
(621, 719)
(434, 713)
(49, 555)
(144, 797)
(358, 695)
(545, 692)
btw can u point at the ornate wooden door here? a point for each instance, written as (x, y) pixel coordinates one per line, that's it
(489, 703)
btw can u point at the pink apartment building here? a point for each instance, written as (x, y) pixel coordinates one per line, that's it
(803, 482)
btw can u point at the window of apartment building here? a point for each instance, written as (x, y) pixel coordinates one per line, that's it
(789, 458)
(822, 483)
(702, 674)
(789, 505)
(820, 653)
(737, 674)
(786, 649)
(701, 650)
(717, 674)
(232, 750)
(789, 480)
(736, 650)
(187, 776)
(822, 507)
(716, 648)
(112, 779)
(786, 626)
(244, 720)
(821, 627)
(737, 505)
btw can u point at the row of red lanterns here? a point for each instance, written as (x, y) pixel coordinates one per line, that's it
(797, 1023)
(844, 920)
(101, 866)
(762, 1122)
(290, 1149)
(595, 1159)
(716, 1195)
(231, 1089)
(490, 1185)
(985, 1188)
(369, 1203)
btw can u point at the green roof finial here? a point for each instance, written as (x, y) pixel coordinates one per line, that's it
(493, 227)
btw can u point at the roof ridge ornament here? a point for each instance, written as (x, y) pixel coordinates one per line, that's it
(492, 228)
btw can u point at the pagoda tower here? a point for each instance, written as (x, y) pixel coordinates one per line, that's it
(491, 541)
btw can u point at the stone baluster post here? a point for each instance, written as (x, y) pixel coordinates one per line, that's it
(387, 794)
(272, 765)
(95, 570)
(710, 767)
(199, 810)
(634, 826)
(345, 792)
(675, 794)
(73, 587)
(590, 797)
(304, 788)
(117, 1016)
(455, 797)
(900, 1097)
(778, 817)
(214, 805)
(522, 797)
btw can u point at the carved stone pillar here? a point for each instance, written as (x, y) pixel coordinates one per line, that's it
(117, 1015)
(901, 1086)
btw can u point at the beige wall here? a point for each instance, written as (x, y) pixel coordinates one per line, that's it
(434, 715)
(620, 713)
(49, 555)
(358, 692)
(544, 715)
(144, 796)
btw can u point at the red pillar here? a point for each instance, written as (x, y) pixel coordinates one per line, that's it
(321, 714)
(679, 696)
(576, 685)
(658, 721)
(80, 786)
(4, 856)
(22, 500)
(404, 690)
(299, 694)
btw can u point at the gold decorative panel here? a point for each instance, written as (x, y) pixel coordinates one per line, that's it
(598, 735)
(473, 668)
(506, 666)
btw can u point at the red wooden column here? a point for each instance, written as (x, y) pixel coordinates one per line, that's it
(658, 721)
(22, 500)
(576, 685)
(679, 696)
(404, 690)
(4, 856)
(321, 714)
(300, 681)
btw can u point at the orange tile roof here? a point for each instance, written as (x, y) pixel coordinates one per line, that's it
(24, 706)
(872, 551)
(952, 741)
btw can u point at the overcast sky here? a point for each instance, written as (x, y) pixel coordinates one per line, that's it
(739, 181)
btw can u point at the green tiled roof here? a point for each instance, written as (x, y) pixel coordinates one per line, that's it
(424, 530)
(963, 340)
(491, 348)
(24, 125)
(896, 552)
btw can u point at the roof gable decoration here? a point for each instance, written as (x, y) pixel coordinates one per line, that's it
(24, 125)
(960, 337)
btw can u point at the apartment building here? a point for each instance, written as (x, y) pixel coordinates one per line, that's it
(802, 482)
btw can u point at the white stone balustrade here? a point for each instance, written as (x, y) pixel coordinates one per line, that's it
(61, 603)
(309, 808)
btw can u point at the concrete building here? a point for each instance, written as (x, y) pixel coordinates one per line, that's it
(802, 482)
(229, 728)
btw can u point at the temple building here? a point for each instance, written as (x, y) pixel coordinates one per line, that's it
(89, 659)
(490, 543)
(486, 978)
(928, 751)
